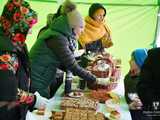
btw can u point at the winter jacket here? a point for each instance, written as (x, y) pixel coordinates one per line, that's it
(52, 51)
(130, 84)
(149, 84)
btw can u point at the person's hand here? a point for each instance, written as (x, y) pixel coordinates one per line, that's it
(92, 84)
(41, 102)
(135, 105)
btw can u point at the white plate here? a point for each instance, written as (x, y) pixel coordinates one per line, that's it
(78, 53)
(72, 94)
(46, 113)
(37, 112)
(112, 105)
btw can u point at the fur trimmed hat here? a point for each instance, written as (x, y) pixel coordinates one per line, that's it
(74, 16)
(67, 6)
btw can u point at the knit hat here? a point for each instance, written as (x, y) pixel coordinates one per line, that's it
(75, 19)
(94, 7)
(67, 6)
(74, 16)
(139, 56)
(64, 8)
(16, 20)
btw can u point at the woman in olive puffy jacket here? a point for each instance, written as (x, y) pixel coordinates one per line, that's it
(53, 49)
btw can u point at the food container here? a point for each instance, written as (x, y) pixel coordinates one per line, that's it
(111, 105)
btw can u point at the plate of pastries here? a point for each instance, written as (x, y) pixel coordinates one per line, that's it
(102, 95)
(39, 111)
(77, 114)
(80, 103)
(115, 115)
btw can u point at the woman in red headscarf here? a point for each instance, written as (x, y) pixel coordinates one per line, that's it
(16, 20)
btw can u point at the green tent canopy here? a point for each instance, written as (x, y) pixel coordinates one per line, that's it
(133, 23)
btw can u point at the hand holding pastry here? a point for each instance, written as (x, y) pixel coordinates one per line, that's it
(135, 105)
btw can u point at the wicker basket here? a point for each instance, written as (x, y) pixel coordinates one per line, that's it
(112, 73)
(102, 74)
(108, 87)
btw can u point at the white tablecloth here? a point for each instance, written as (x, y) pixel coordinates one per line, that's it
(125, 114)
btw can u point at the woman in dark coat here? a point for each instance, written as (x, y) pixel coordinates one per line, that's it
(16, 19)
(148, 87)
(53, 49)
(130, 82)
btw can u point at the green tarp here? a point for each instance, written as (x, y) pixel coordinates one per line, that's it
(133, 23)
(111, 2)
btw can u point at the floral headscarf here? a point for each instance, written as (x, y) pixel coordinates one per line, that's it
(16, 20)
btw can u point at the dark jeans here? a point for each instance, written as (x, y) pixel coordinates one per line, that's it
(138, 115)
(56, 84)
(12, 114)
